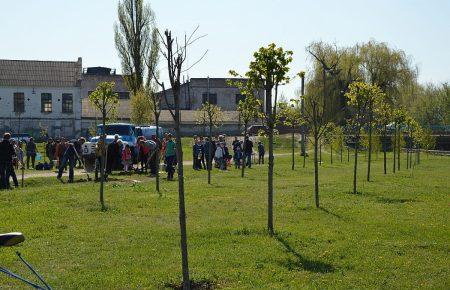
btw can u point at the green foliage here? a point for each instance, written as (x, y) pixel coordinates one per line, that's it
(360, 96)
(209, 115)
(141, 108)
(133, 39)
(105, 100)
(290, 113)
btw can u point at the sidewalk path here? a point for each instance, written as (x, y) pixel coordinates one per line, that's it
(78, 172)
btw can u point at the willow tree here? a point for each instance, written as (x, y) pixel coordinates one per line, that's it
(391, 71)
(105, 101)
(360, 96)
(209, 115)
(268, 70)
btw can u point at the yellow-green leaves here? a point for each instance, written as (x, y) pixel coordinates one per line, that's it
(104, 99)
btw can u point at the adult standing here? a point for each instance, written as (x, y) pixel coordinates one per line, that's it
(6, 158)
(48, 150)
(69, 157)
(31, 152)
(170, 156)
(100, 152)
(248, 147)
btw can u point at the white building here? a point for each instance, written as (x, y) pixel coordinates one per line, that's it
(37, 95)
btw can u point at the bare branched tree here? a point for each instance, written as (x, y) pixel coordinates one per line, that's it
(175, 55)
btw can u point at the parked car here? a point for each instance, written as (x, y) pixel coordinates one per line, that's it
(21, 137)
(149, 131)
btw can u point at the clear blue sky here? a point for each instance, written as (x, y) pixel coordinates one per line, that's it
(66, 29)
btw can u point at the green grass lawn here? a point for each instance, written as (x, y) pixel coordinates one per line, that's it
(395, 234)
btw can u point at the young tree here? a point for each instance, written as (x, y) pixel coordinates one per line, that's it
(210, 115)
(338, 141)
(360, 96)
(292, 117)
(390, 70)
(398, 116)
(268, 70)
(249, 108)
(175, 55)
(141, 108)
(383, 113)
(105, 101)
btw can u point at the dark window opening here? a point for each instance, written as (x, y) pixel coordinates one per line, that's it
(19, 102)
(212, 98)
(46, 103)
(239, 97)
(123, 95)
(67, 103)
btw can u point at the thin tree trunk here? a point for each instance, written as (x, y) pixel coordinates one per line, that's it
(398, 150)
(243, 152)
(209, 158)
(384, 151)
(304, 151)
(320, 153)
(157, 154)
(181, 206)
(394, 147)
(293, 149)
(370, 144)
(341, 151)
(316, 170)
(355, 165)
(348, 154)
(102, 163)
(270, 181)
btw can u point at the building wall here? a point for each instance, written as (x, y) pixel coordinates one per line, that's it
(32, 120)
(90, 82)
(191, 94)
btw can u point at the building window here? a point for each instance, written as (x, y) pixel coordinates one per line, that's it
(124, 95)
(67, 103)
(19, 102)
(239, 97)
(46, 103)
(212, 98)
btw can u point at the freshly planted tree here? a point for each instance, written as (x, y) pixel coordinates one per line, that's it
(360, 96)
(249, 108)
(269, 70)
(399, 116)
(383, 113)
(292, 116)
(175, 55)
(210, 115)
(338, 141)
(105, 101)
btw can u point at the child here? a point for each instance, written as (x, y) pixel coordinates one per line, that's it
(237, 157)
(126, 157)
(219, 155)
(261, 152)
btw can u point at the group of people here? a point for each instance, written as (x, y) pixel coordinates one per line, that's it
(206, 151)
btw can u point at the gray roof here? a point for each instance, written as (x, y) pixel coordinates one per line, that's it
(34, 73)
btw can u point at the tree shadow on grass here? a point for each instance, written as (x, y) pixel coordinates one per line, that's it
(395, 200)
(300, 262)
(330, 212)
(201, 284)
